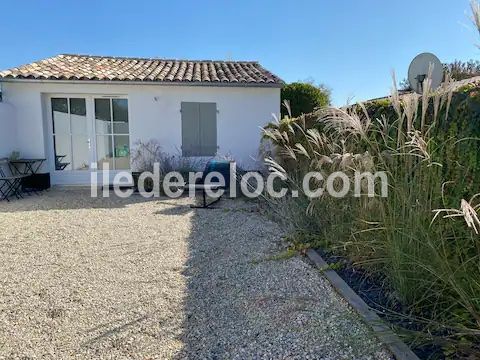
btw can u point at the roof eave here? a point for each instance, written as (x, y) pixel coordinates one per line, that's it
(139, 82)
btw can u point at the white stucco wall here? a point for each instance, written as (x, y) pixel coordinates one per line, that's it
(154, 114)
(8, 130)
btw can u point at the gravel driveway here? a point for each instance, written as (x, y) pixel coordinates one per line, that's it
(153, 279)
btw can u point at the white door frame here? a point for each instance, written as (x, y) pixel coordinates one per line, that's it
(79, 177)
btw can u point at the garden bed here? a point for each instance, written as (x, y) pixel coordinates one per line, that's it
(380, 297)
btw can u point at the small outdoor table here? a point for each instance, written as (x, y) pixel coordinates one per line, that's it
(26, 166)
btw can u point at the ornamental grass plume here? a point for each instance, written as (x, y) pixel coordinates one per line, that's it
(345, 121)
(416, 145)
(410, 108)
(467, 210)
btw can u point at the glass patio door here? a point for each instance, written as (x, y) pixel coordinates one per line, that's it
(71, 129)
(88, 134)
(112, 134)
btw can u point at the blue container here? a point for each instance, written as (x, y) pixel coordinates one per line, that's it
(220, 166)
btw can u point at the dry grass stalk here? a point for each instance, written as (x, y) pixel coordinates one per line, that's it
(426, 92)
(475, 7)
(397, 106)
(468, 211)
(410, 108)
(418, 146)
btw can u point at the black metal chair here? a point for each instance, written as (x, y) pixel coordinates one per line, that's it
(10, 184)
(223, 168)
(59, 165)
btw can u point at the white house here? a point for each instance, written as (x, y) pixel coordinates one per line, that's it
(78, 110)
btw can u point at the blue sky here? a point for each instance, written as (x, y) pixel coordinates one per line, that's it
(349, 45)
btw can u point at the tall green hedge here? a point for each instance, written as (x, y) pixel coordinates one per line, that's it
(304, 98)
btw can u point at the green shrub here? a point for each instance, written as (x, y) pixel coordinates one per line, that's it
(304, 98)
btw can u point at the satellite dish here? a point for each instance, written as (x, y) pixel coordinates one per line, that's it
(419, 69)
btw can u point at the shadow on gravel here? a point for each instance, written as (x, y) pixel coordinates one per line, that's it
(59, 199)
(173, 209)
(216, 320)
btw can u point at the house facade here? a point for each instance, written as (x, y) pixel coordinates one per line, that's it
(85, 112)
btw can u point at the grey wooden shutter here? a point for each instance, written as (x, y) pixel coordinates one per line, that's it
(199, 129)
(190, 128)
(208, 129)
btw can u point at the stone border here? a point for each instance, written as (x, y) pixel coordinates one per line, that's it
(396, 346)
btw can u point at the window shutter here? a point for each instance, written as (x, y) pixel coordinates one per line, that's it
(190, 128)
(208, 129)
(199, 129)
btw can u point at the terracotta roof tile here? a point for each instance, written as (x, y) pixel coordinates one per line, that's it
(86, 67)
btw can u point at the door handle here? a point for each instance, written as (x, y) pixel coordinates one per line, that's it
(89, 143)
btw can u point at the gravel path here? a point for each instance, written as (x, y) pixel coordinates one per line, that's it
(113, 278)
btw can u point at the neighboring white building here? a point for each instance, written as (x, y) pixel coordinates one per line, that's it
(77, 110)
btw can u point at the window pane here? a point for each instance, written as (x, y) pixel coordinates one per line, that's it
(63, 156)
(59, 105)
(103, 116)
(78, 116)
(104, 152)
(122, 152)
(79, 125)
(78, 107)
(120, 116)
(61, 118)
(81, 153)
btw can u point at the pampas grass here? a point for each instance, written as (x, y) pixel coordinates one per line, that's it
(428, 257)
(426, 250)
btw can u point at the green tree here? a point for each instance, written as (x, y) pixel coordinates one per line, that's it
(304, 98)
(464, 70)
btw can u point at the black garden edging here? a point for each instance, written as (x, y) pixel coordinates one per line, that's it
(396, 346)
